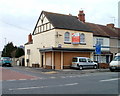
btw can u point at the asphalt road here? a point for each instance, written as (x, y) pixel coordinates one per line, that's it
(21, 80)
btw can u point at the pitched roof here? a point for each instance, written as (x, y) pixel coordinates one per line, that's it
(101, 30)
(69, 22)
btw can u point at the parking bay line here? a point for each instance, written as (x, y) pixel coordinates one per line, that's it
(27, 88)
(109, 80)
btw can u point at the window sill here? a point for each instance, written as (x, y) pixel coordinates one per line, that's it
(66, 42)
(82, 43)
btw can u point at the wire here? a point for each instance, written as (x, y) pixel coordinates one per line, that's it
(19, 27)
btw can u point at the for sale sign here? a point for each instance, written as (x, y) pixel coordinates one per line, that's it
(75, 38)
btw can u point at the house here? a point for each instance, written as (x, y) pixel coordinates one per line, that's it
(108, 37)
(56, 39)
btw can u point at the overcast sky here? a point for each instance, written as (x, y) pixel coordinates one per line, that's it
(18, 17)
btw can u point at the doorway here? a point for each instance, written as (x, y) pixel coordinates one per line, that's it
(42, 57)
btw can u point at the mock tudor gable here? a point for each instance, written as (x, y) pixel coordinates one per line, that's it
(43, 24)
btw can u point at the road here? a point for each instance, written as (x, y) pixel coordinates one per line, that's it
(21, 80)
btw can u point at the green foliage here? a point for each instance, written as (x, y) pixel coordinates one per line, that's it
(12, 51)
(19, 52)
(8, 49)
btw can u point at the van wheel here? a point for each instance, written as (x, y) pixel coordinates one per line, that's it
(80, 67)
(95, 66)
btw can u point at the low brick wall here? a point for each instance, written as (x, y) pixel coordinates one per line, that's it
(66, 67)
(35, 65)
(103, 65)
(48, 67)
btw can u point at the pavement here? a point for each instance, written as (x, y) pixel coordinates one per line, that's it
(63, 71)
(13, 75)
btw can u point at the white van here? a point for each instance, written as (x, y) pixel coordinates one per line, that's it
(115, 63)
(83, 62)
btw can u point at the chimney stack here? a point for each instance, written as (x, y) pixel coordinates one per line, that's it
(110, 25)
(81, 16)
(30, 38)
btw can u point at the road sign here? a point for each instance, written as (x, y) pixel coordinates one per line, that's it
(98, 49)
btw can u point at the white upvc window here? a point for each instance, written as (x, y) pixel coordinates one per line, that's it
(82, 38)
(99, 41)
(67, 37)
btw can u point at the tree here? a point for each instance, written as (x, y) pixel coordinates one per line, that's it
(19, 52)
(8, 49)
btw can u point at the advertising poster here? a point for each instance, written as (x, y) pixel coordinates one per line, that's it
(75, 38)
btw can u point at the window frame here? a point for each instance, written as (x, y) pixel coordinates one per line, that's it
(67, 37)
(99, 41)
(82, 39)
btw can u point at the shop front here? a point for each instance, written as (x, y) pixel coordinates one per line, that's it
(61, 58)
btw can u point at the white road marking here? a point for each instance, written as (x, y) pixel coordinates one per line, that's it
(27, 88)
(52, 77)
(22, 79)
(109, 80)
(11, 80)
(62, 76)
(34, 79)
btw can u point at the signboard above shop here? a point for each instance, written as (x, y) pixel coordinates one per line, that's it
(75, 38)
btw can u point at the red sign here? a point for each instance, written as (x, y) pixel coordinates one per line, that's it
(75, 38)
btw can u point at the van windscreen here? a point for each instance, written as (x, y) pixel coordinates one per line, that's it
(116, 58)
(74, 60)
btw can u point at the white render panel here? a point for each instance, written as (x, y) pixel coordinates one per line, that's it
(45, 39)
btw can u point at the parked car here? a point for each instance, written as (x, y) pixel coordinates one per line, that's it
(83, 62)
(5, 62)
(115, 63)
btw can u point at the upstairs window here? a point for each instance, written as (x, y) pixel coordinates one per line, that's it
(99, 41)
(82, 38)
(67, 37)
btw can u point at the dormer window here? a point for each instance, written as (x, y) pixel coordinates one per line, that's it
(67, 37)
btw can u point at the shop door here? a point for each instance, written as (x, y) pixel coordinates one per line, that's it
(57, 60)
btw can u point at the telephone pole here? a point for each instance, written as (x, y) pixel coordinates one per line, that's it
(5, 45)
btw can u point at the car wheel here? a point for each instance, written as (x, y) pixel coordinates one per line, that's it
(80, 67)
(95, 66)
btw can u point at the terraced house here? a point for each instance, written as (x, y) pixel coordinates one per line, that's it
(108, 37)
(56, 39)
